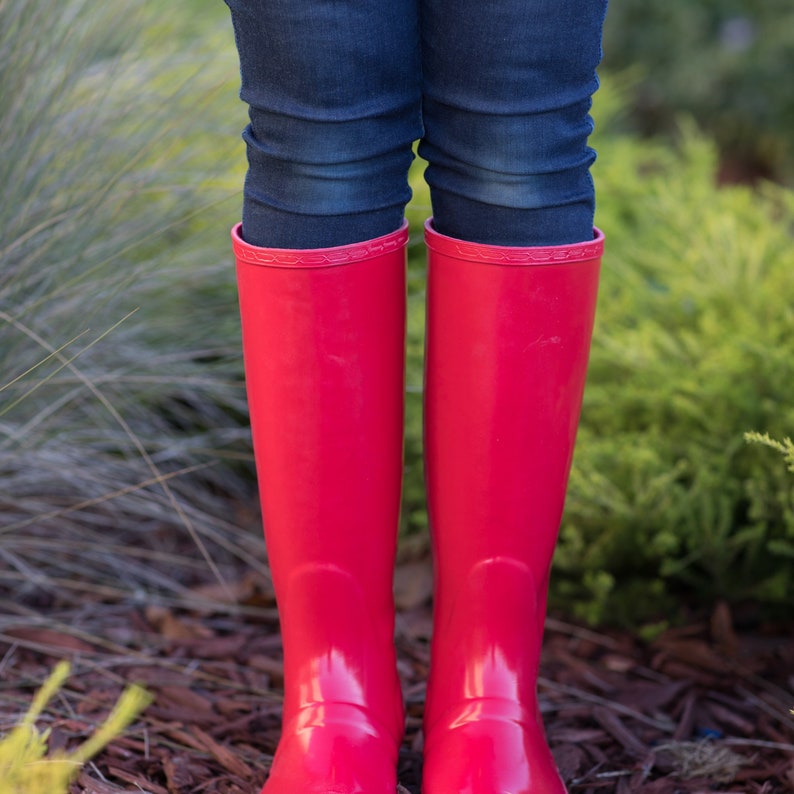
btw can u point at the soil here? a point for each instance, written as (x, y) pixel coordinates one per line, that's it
(700, 708)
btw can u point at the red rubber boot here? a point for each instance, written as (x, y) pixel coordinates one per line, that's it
(323, 342)
(508, 338)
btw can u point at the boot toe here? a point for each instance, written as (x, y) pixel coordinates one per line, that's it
(334, 754)
(489, 756)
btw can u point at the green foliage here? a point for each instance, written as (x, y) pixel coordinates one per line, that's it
(25, 766)
(785, 447)
(694, 345)
(722, 61)
(668, 508)
(121, 401)
(414, 513)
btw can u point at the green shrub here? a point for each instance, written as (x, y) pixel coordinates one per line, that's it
(722, 61)
(123, 425)
(694, 345)
(668, 508)
(785, 447)
(26, 767)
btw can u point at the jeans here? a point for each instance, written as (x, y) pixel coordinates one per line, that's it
(497, 93)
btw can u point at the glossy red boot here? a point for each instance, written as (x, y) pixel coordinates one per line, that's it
(323, 340)
(508, 338)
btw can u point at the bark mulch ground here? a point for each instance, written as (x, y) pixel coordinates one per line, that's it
(699, 709)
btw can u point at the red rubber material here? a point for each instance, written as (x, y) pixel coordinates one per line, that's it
(508, 337)
(323, 344)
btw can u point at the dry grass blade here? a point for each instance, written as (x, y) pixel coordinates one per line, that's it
(117, 436)
(158, 476)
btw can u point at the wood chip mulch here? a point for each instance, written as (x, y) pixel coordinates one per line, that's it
(700, 709)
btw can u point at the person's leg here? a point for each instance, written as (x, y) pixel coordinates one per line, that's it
(512, 281)
(333, 89)
(507, 93)
(508, 336)
(323, 342)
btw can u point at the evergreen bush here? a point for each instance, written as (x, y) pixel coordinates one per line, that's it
(120, 353)
(668, 508)
(694, 346)
(721, 61)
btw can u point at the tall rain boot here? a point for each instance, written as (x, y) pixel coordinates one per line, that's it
(508, 337)
(323, 344)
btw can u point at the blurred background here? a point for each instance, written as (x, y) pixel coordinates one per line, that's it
(125, 463)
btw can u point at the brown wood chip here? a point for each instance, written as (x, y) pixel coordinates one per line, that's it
(610, 702)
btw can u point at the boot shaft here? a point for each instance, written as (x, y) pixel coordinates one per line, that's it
(323, 345)
(508, 338)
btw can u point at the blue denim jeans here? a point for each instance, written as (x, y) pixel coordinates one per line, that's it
(497, 93)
